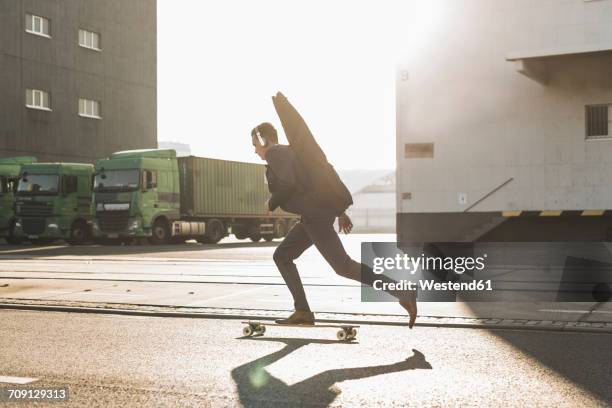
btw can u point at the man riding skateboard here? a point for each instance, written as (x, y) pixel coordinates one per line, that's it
(294, 189)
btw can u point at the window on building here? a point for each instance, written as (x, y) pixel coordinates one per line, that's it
(38, 25)
(89, 108)
(598, 121)
(37, 99)
(89, 39)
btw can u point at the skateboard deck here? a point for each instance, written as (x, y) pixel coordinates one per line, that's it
(347, 332)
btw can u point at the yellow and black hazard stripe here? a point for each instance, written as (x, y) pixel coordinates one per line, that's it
(556, 213)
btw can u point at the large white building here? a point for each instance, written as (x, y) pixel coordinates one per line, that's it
(373, 209)
(504, 125)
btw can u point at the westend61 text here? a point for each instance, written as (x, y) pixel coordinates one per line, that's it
(478, 285)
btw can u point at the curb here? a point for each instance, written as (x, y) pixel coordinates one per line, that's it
(378, 320)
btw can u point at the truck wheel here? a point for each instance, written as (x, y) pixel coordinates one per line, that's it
(160, 233)
(78, 233)
(268, 237)
(214, 231)
(254, 232)
(202, 239)
(240, 232)
(12, 238)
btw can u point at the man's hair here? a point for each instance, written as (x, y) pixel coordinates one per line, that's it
(266, 130)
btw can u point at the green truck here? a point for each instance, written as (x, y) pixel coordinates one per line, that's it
(10, 169)
(154, 194)
(53, 201)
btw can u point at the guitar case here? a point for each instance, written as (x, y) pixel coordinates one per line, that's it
(320, 176)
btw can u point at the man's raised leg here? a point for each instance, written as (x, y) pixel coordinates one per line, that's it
(326, 239)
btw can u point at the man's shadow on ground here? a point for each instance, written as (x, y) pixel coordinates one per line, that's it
(257, 387)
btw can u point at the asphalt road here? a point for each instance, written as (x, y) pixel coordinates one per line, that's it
(123, 361)
(233, 274)
(110, 360)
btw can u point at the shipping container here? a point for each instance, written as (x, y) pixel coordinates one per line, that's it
(212, 187)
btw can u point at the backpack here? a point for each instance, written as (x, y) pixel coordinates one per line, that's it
(312, 163)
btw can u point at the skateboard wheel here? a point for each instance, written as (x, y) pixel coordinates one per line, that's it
(353, 332)
(260, 329)
(247, 331)
(341, 335)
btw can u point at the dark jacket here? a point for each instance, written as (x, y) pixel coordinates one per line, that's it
(286, 181)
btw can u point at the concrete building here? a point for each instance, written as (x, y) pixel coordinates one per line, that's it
(373, 209)
(78, 78)
(356, 179)
(504, 125)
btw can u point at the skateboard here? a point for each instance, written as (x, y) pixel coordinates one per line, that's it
(347, 332)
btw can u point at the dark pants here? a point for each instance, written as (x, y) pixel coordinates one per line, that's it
(318, 229)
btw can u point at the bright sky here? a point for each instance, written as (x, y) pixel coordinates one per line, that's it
(219, 63)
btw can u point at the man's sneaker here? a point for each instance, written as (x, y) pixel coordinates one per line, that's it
(298, 317)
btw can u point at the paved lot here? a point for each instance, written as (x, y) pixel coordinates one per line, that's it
(110, 360)
(233, 274)
(118, 361)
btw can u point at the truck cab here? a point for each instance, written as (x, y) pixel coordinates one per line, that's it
(10, 169)
(136, 194)
(53, 201)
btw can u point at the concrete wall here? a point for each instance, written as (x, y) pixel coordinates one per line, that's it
(123, 77)
(489, 123)
(373, 212)
(373, 208)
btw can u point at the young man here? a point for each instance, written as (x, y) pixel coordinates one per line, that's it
(290, 190)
